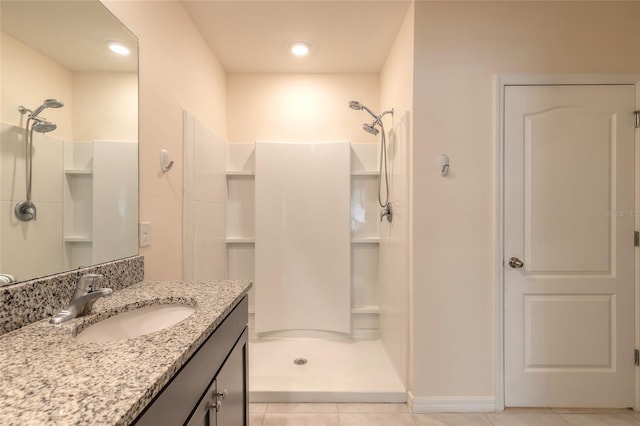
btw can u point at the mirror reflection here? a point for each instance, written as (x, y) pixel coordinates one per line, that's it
(68, 138)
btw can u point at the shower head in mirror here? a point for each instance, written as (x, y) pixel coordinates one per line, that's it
(371, 128)
(355, 105)
(48, 103)
(43, 126)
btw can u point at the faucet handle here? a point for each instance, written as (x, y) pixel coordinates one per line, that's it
(89, 282)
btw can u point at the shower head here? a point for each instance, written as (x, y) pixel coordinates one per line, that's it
(48, 103)
(53, 103)
(43, 126)
(355, 105)
(371, 128)
(358, 106)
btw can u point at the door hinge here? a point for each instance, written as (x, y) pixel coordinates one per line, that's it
(637, 113)
(636, 357)
(636, 239)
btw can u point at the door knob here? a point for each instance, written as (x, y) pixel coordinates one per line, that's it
(516, 263)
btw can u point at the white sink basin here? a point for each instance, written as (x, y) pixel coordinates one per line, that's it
(135, 323)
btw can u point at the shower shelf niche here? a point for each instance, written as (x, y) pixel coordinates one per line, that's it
(78, 204)
(90, 222)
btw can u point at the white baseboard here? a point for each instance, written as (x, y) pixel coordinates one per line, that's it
(327, 396)
(452, 404)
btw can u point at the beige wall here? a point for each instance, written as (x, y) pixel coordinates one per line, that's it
(299, 107)
(177, 72)
(105, 106)
(28, 78)
(459, 48)
(396, 76)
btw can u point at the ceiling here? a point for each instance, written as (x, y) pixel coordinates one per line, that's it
(346, 36)
(255, 36)
(72, 33)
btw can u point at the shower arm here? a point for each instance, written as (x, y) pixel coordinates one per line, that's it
(378, 118)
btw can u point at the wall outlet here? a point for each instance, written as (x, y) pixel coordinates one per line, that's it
(144, 234)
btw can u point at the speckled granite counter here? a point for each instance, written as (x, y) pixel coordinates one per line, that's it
(47, 377)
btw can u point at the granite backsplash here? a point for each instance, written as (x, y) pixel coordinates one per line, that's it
(30, 301)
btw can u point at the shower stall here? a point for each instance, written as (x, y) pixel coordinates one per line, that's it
(328, 312)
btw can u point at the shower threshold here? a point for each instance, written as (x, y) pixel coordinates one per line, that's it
(322, 370)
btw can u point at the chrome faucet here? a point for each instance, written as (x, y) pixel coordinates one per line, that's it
(83, 299)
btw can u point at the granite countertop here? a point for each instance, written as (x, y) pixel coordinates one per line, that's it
(48, 377)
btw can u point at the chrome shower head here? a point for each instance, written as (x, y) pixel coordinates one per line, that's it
(48, 103)
(358, 106)
(355, 105)
(43, 126)
(371, 128)
(53, 103)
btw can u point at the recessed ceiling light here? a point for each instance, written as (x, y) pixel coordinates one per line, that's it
(118, 48)
(300, 49)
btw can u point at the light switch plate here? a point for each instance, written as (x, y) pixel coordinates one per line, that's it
(144, 234)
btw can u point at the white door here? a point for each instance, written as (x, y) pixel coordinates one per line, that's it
(569, 237)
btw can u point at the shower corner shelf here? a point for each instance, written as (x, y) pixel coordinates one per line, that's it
(369, 240)
(365, 173)
(77, 239)
(78, 171)
(365, 309)
(230, 173)
(236, 240)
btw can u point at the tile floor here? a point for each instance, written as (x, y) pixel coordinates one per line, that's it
(399, 415)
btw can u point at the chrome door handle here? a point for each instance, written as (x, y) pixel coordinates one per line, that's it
(516, 263)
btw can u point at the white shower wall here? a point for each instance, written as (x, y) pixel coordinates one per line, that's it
(30, 249)
(204, 255)
(393, 264)
(302, 236)
(364, 230)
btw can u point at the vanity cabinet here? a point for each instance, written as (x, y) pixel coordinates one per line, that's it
(223, 403)
(211, 388)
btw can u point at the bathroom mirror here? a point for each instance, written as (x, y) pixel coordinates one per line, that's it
(79, 101)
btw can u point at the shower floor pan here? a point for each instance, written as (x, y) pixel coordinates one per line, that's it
(334, 371)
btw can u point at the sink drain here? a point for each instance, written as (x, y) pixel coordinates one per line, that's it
(300, 361)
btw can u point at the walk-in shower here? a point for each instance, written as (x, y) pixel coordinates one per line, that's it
(387, 210)
(26, 210)
(330, 284)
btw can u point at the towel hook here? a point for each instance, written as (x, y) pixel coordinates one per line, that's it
(443, 163)
(165, 164)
